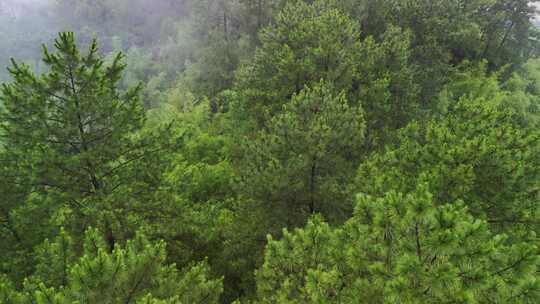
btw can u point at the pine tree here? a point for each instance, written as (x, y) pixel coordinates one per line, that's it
(53, 260)
(301, 164)
(317, 40)
(134, 274)
(478, 152)
(308, 42)
(67, 135)
(399, 249)
(68, 130)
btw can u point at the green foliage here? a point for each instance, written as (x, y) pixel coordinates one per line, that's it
(446, 33)
(53, 260)
(313, 42)
(134, 274)
(302, 163)
(255, 116)
(68, 130)
(524, 91)
(308, 43)
(471, 82)
(69, 151)
(477, 153)
(399, 248)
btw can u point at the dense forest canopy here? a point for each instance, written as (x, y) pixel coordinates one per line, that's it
(269, 151)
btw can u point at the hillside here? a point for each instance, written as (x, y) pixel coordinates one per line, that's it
(269, 151)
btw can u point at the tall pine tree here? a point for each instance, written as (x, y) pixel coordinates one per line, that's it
(67, 134)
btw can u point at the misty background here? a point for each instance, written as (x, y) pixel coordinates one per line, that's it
(169, 44)
(151, 33)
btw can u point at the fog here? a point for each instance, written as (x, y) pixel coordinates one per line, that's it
(117, 24)
(168, 33)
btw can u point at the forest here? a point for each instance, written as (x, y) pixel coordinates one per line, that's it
(269, 151)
